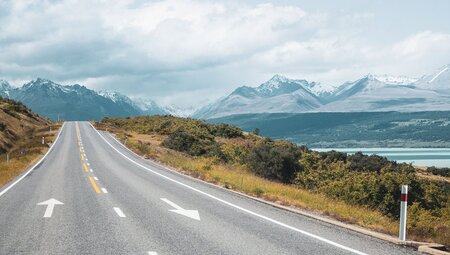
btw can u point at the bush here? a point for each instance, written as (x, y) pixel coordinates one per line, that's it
(443, 171)
(179, 140)
(274, 160)
(193, 144)
(227, 131)
(333, 156)
(372, 163)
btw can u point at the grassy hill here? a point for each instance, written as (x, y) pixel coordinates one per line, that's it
(357, 188)
(21, 133)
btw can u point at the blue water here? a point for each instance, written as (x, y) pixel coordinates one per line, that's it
(439, 157)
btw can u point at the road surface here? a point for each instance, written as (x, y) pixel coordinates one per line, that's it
(90, 195)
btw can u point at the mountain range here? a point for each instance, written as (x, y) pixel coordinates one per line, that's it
(371, 93)
(76, 102)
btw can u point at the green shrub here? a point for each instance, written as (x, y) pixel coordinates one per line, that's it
(258, 191)
(372, 163)
(274, 160)
(226, 131)
(443, 171)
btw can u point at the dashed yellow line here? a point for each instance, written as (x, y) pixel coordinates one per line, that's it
(97, 190)
(85, 167)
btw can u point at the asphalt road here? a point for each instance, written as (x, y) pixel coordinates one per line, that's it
(117, 203)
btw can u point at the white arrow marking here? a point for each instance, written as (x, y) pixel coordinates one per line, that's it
(119, 212)
(193, 214)
(50, 206)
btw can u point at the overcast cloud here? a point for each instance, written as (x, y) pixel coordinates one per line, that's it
(190, 52)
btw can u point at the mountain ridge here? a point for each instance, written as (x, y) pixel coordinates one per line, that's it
(368, 94)
(74, 102)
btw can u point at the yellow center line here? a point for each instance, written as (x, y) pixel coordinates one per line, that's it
(82, 157)
(85, 167)
(97, 190)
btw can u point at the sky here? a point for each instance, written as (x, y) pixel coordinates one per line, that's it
(190, 52)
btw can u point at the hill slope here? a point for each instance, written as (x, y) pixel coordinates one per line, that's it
(16, 121)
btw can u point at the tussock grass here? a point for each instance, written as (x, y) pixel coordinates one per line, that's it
(25, 153)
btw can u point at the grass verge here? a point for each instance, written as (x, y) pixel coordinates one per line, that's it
(26, 152)
(238, 178)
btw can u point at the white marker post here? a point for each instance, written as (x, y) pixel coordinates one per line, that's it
(403, 206)
(43, 140)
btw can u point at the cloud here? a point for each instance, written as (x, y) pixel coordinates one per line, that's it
(174, 49)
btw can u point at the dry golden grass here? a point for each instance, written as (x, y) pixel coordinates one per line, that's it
(25, 153)
(237, 177)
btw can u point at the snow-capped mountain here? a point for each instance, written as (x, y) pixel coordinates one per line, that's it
(180, 112)
(71, 102)
(393, 80)
(439, 80)
(148, 107)
(5, 88)
(279, 94)
(370, 93)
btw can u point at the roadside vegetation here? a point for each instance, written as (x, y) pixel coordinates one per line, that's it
(21, 133)
(360, 189)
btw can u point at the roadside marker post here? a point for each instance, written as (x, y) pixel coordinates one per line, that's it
(403, 207)
(43, 140)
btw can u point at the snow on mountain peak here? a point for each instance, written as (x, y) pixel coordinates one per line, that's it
(114, 96)
(4, 84)
(180, 112)
(274, 83)
(41, 82)
(392, 80)
(321, 89)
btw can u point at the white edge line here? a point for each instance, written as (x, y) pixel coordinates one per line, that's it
(104, 190)
(33, 167)
(233, 205)
(119, 212)
(152, 253)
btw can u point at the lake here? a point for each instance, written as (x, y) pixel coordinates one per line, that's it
(439, 157)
